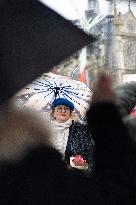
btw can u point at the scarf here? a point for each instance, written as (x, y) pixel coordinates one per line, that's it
(60, 135)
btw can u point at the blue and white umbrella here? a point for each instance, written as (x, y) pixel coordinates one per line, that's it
(42, 91)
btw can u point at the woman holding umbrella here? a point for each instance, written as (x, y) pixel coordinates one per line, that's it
(71, 138)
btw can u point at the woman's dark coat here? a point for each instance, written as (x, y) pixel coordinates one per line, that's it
(80, 143)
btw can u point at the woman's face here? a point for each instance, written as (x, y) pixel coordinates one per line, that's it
(62, 113)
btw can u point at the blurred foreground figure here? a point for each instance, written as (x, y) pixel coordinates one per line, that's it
(126, 102)
(33, 39)
(32, 172)
(115, 156)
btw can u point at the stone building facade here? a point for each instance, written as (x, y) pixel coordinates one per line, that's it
(124, 38)
(116, 46)
(114, 51)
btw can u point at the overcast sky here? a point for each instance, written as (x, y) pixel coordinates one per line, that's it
(73, 9)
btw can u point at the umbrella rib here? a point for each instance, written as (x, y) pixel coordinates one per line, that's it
(49, 93)
(71, 92)
(65, 94)
(43, 92)
(44, 97)
(46, 91)
(45, 85)
(75, 94)
(51, 85)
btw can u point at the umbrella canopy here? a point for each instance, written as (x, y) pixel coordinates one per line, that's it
(41, 93)
(33, 39)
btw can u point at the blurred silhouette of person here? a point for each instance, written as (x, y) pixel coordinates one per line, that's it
(115, 155)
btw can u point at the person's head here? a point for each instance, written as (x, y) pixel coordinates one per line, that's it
(130, 122)
(62, 109)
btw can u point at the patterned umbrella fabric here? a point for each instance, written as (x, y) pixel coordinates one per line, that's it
(40, 94)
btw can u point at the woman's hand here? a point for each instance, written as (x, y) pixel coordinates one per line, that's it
(78, 162)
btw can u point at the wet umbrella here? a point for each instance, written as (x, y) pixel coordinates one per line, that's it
(40, 94)
(33, 39)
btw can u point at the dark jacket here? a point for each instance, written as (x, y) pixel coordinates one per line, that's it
(80, 142)
(114, 182)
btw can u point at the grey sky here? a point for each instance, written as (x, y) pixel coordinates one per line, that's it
(73, 9)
